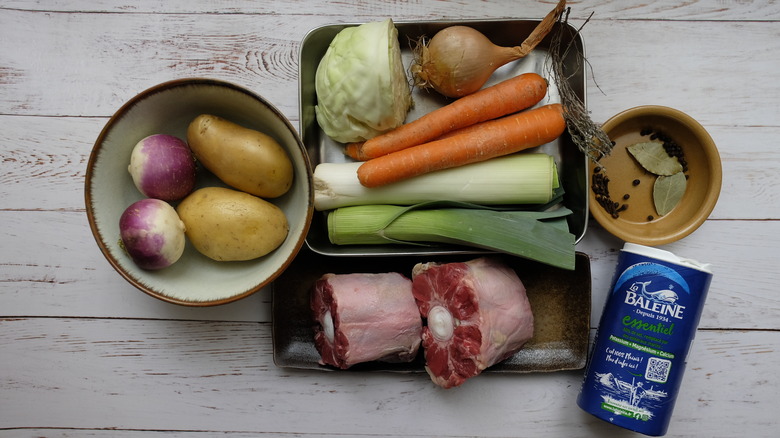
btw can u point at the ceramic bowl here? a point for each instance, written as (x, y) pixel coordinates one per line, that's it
(639, 222)
(168, 108)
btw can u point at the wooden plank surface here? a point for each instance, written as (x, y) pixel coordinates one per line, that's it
(83, 353)
(50, 281)
(217, 376)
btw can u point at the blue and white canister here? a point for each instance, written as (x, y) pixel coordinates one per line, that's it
(649, 321)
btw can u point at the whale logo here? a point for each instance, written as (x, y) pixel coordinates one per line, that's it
(666, 296)
(652, 269)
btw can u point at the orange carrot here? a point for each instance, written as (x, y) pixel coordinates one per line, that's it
(354, 151)
(506, 97)
(492, 139)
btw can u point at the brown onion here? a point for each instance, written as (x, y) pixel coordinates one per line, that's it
(458, 60)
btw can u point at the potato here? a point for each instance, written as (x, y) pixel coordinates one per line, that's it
(229, 225)
(242, 158)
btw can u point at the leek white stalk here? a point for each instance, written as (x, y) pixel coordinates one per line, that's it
(524, 178)
(530, 234)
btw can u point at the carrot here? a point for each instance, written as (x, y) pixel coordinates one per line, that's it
(492, 139)
(506, 97)
(354, 151)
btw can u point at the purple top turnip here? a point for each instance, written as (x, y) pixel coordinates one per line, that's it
(163, 167)
(152, 233)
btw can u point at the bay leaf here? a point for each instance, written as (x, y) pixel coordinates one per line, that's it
(667, 192)
(653, 157)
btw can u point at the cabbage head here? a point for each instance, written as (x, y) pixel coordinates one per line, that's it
(361, 84)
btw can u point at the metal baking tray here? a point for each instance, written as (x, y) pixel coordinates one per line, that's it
(560, 300)
(572, 164)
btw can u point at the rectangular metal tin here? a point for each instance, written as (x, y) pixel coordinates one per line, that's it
(571, 162)
(560, 300)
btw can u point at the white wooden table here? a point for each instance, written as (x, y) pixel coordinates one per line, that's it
(82, 353)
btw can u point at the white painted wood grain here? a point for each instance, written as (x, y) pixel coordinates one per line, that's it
(260, 52)
(743, 288)
(51, 265)
(44, 169)
(764, 10)
(82, 353)
(56, 269)
(203, 376)
(79, 69)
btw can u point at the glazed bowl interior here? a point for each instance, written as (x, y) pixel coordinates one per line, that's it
(639, 222)
(168, 108)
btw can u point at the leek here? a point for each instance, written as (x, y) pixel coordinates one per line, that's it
(524, 178)
(532, 235)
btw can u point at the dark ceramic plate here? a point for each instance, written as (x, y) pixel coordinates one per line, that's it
(560, 300)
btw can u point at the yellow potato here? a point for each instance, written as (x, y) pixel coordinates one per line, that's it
(230, 225)
(242, 158)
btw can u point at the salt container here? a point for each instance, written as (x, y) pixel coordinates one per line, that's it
(638, 359)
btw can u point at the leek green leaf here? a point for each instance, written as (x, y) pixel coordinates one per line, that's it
(540, 236)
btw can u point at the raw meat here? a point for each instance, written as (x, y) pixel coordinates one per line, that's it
(365, 317)
(477, 315)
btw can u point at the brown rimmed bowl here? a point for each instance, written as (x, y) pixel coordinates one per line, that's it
(168, 108)
(640, 222)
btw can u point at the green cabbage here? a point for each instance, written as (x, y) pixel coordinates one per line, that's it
(361, 84)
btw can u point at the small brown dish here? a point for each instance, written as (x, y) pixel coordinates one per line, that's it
(631, 185)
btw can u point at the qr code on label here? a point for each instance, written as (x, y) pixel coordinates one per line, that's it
(657, 369)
